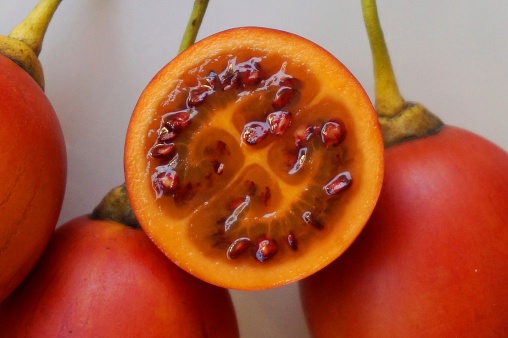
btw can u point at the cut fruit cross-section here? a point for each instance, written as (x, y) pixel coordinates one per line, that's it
(253, 159)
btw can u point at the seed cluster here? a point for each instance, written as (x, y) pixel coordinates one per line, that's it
(275, 123)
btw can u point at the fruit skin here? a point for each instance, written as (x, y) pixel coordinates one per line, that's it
(433, 259)
(33, 172)
(104, 279)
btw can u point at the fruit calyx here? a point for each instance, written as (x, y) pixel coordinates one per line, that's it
(24, 42)
(115, 206)
(400, 120)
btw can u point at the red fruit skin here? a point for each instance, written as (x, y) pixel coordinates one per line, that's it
(104, 279)
(33, 168)
(433, 259)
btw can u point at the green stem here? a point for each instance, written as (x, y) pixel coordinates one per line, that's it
(400, 120)
(32, 29)
(389, 101)
(191, 31)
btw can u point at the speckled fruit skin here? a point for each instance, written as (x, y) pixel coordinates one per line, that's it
(33, 169)
(104, 279)
(433, 259)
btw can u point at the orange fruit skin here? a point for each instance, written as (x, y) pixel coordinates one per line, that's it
(33, 169)
(170, 234)
(433, 259)
(104, 279)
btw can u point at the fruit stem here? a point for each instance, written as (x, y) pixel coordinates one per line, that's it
(115, 206)
(195, 20)
(399, 120)
(24, 43)
(32, 29)
(389, 101)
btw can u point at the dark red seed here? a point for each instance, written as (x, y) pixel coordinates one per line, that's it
(162, 150)
(238, 247)
(254, 132)
(250, 187)
(185, 193)
(166, 135)
(218, 167)
(237, 211)
(197, 95)
(311, 220)
(333, 133)
(167, 182)
(279, 121)
(339, 183)
(230, 77)
(250, 77)
(231, 81)
(235, 203)
(249, 72)
(300, 160)
(289, 81)
(179, 120)
(265, 196)
(303, 134)
(283, 96)
(293, 244)
(212, 80)
(266, 249)
(222, 148)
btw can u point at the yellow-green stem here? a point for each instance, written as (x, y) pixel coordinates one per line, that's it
(388, 98)
(399, 120)
(24, 43)
(195, 20)
(32, 29)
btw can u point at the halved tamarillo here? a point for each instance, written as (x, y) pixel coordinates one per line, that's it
(253, 159)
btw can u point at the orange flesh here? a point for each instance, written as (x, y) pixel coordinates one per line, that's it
(228, 189)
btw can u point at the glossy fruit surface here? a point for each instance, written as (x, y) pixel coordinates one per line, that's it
(433, 259)
(32, 170)
(103, 279)
(253, 159)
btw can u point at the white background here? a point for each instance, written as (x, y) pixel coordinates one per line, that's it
(98, 56)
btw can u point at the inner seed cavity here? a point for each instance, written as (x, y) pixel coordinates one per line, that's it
(244, 77)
